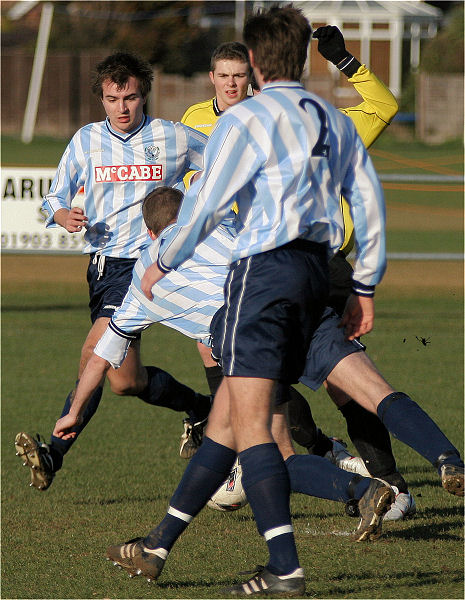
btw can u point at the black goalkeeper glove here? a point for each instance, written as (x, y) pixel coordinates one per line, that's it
(331, 46)
(331, 43)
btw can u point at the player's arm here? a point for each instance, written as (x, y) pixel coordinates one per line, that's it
(65, 185)
(229, 161)
(364, 193)
(379, 106)
(91, 378)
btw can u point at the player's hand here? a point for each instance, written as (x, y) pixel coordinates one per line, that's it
(64, 427)
(151, 276)
(75, 220)
(197, 175)
(331, 43)
(358, 317)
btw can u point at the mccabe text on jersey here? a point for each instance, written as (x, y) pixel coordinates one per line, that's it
(115, 173)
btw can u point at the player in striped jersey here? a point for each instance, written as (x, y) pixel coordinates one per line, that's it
(370, 117)
(186, 300)
(118, 161)
(255, 156)
(284, 156)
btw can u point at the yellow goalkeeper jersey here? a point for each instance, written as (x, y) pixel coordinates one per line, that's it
(202, 116)
(370, 118)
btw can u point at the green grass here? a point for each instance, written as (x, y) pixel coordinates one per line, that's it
(424, 241)
(41, 152)
(46, 151)
(117, 480)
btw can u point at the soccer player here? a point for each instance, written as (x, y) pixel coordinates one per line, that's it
(186, 300)
(370, 117)
(118, 161)
(284, 156)
(365, 429)
(230, 75)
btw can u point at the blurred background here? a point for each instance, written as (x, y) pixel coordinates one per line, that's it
(415, 47)
(49, 50)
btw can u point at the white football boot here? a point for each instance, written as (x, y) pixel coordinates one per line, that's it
(403, 507)
(339, 456)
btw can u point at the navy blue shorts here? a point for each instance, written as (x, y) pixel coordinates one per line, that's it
(273, 303)
(340, 281)
(107, 292)
(327, 347)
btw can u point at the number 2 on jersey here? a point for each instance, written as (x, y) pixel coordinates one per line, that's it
(320, 148)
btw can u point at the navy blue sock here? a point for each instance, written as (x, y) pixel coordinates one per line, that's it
(58, 446)
(163, 390)
(410, 424)
(266, 483)
(206, 471)
(316, 476)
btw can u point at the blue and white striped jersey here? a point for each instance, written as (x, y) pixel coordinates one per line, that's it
(285, 156)
(188, 297)
(117, 172)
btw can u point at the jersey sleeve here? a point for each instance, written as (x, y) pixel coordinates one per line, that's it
(370, 118)
(379, 106)
(187, 177)
(196, 142)
(70, 176)
(364, 194)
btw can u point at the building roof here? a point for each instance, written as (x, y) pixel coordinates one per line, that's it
(373, 10)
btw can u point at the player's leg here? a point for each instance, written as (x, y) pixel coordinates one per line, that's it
(366, 432)
(213, 371)
(265, 334)
(204, 474)
(305, 432)
(373, 442)
(314, 476)
(319, 364)
(194, 427)
(264, 474)
(370, 437)
(357, 376)
(45, 459)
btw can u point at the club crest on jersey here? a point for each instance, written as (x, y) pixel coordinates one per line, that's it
(152, 153)
(123, 173)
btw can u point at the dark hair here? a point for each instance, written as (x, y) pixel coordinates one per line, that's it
(253, 83)
(118, 68)
(161, 207)
(278, 38)
(229, 51)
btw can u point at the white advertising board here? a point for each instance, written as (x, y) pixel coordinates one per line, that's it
(23, 224)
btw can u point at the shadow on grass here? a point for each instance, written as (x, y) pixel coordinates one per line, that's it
(122, 500)
(41, 308)
(358, 582)
(339, 586)
(431, 530)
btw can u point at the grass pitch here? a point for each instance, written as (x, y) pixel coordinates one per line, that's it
(117, 480)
